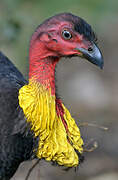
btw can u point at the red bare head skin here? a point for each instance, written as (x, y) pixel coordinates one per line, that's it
(61, 35)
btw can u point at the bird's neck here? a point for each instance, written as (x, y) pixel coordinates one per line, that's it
(43, 71)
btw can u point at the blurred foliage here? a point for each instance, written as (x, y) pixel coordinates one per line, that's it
(19, 18)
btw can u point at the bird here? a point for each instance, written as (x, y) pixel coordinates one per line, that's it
(34, 122)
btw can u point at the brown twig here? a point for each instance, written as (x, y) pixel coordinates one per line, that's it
(31, 169)
(94, 125)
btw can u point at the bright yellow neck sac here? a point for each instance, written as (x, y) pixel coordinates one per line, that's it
(55, 143)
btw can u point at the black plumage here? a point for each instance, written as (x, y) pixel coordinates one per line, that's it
(16, 140)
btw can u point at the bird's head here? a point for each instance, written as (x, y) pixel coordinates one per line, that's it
(65, 35)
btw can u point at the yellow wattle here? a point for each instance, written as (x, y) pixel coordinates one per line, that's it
(55, 144)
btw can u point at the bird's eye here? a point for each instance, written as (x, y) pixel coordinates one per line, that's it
(66, 34)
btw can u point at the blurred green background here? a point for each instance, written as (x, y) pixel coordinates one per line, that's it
(89, 93)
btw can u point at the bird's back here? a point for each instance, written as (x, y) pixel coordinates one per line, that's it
(11, 80)
(16, 141)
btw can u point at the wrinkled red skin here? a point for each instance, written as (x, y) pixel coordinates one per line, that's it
(47, 47)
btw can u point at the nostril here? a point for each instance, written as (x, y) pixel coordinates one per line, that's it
(90, 49)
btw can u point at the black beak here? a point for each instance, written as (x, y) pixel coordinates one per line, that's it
(93, 55)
